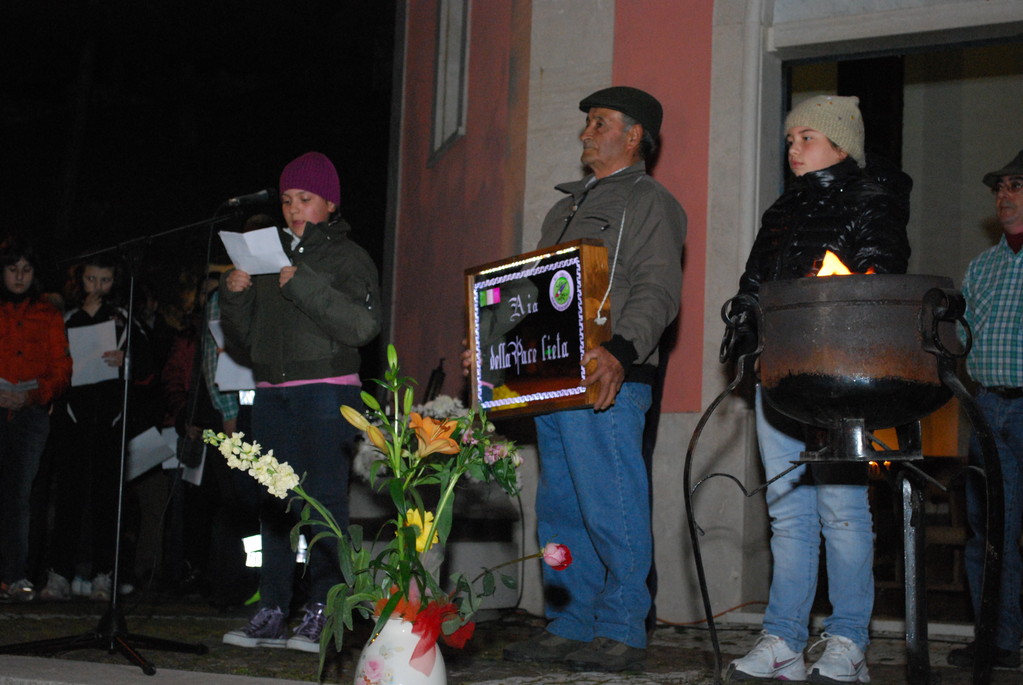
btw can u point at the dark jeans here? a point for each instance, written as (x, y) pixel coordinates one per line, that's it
(22, 440)
(1005, 418)
(86, 469)
(593, 496)
(304, 427)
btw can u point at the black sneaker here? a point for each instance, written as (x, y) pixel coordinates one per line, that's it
(607, 656)
(1000, 658)
(307, 635)
(266, 629)
(543, 648)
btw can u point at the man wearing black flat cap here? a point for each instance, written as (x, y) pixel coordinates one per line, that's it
(993, 290)
(593, 494)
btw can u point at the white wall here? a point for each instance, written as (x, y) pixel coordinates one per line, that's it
(751, 39)
(571, 56)
(562, 30)
(962, 118)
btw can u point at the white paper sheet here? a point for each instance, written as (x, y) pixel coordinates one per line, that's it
(256, 252)
(146, 450)
(230, 374)
(88, 343)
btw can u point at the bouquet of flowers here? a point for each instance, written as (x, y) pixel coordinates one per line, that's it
(421, 462)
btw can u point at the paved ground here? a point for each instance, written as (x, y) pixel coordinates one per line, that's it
(676, 655)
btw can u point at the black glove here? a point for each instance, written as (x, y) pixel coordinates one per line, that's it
(741, 315)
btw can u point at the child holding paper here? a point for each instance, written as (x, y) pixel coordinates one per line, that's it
(302, 328)
(88, 424)
(36, 369)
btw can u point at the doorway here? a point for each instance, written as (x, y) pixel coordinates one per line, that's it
(945, 116)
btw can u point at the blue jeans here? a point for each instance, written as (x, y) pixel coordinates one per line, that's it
(802, 510)
(1005, 418)
(593, 497)
(23, 436)
(304, 427)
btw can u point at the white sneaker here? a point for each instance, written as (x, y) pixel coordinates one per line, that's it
(842, 662)
(80, 587)
(18, 591)
(57, 588)
(769, 659)
(101, 588)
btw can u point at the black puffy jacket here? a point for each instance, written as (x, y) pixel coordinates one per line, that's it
(859, 215)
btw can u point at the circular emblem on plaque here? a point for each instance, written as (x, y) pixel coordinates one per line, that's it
(562, 290)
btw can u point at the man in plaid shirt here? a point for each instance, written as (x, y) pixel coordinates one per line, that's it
(993, 288)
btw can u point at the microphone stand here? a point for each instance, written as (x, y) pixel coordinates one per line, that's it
(112, 632)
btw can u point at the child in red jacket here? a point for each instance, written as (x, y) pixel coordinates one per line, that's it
(35, 369)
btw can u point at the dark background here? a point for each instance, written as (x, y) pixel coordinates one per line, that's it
(130, 118)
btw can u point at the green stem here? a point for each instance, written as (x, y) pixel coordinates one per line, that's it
(328, 518)
(440, 507)
(536, 555)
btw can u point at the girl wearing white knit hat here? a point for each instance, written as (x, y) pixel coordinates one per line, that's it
(829, 203)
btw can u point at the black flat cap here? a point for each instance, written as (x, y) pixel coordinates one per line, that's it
(1013, 168)
(641, 106)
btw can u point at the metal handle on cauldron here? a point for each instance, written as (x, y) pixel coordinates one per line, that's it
(736, 313)
(942, 305)
(949, 305)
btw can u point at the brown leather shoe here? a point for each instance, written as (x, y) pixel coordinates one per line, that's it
(1000, 658)
(542, 648)
(607, 656)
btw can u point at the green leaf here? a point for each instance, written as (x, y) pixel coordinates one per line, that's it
(417, 500)
(444, 521)
(478, 472)
(355, 535)
(398, 496)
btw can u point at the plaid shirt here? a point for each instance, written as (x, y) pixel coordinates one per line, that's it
(224, 402)
(993, 289)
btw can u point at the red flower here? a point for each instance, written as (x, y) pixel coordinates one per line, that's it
(428, 625)
(403, 609)
(558, 557)
(458, 638)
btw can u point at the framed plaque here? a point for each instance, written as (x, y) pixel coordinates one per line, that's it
(531, 319)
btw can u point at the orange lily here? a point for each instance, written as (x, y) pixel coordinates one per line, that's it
(376, 437)
(433, 435)
(354, 417)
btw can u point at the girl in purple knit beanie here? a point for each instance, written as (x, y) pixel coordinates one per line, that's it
(302, 328)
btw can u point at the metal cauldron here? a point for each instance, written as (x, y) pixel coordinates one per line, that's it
(843, 348)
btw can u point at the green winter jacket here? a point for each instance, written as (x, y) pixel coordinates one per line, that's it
(643, 228)
(314, 326)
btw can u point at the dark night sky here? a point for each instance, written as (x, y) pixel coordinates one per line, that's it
(127, 118)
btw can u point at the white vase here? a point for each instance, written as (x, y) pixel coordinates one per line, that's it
(385, 660)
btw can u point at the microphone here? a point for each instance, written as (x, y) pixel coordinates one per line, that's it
(262, 197)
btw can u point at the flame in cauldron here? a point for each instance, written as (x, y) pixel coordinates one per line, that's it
(833, 266)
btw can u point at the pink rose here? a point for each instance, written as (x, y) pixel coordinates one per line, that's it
(373, 671)
(557, 556)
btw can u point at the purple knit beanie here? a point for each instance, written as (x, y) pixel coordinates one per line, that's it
(315, 173)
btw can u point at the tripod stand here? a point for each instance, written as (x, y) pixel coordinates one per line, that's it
(111, 633)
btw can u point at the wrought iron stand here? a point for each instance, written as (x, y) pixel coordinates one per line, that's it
(848, 444)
